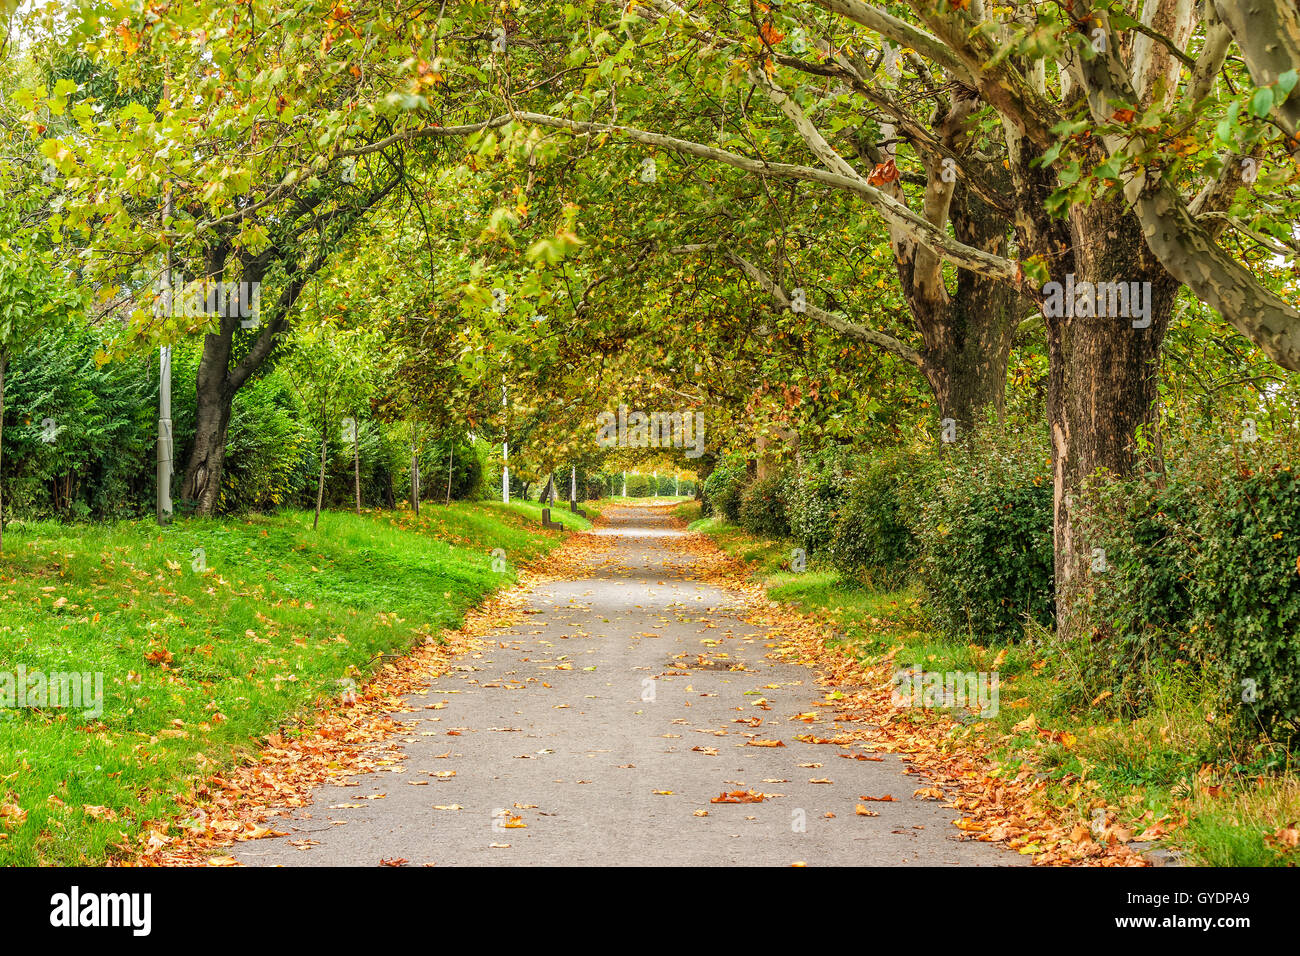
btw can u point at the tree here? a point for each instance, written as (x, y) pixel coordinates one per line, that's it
(34, 292)
(270, 169)
(1093, 138)
(333, 370)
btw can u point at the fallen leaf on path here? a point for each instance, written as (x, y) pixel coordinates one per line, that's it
(739, 796)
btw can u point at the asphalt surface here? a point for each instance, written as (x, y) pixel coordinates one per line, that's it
(595, 730)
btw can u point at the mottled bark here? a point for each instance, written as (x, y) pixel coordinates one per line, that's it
(1268, 34)
(1185, 247)
(1103, 386)
(968, 333)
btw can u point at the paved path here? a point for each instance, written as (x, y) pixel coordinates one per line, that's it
(614, 687)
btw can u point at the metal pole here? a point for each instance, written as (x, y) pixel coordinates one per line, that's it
(505, 450)
(165, 394)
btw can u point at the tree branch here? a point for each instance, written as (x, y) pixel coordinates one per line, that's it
(830, 319)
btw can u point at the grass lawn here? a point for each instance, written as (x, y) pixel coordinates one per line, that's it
(644, 499)
(203, 651)
(1221, 799)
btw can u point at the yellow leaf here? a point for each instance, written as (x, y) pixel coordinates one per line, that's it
(1028, 725)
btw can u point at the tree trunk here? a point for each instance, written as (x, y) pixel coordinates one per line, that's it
(968, 348)
(451, 457)
(202, 484)
(356, 461)
(324, 447)
(1102, 387)
(968, 332)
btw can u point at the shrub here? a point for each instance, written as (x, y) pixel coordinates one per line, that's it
(986, 540)
(271, 452)
(816, 495)
(872, 537)
(1204, 559)
(723, 487)
(1140, 609)
(1246, 592)
(762, 508)
(97, 456)
(467, 477)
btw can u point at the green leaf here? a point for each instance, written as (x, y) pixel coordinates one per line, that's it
(1262, 101)
(1286, 83)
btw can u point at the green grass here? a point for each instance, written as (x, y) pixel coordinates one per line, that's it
(281, 615)
(644, 499)
(1177, 761)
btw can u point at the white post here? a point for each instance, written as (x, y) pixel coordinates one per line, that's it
(505, 452)
(656, 481)
(573, 483)
(625, 484)
(165, 396)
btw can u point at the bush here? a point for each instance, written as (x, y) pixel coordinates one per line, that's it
(638, 486)
(762, 508)
(1246, 593)
(723, 487)
(1204, 558)
(79, 437)
(872, 537)
(1142, 607)
(467, 477)
(271, 453)
(667, 485)
(816, 495)
(986, 540)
